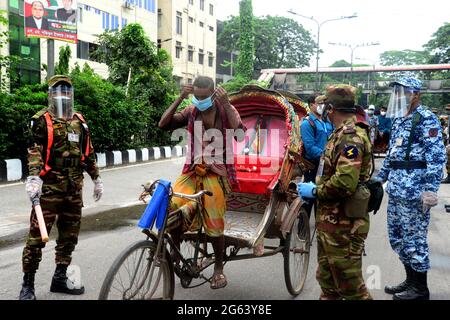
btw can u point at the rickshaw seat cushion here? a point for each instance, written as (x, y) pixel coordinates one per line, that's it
(256, 173)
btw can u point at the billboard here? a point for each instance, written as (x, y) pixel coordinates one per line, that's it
(53, 19)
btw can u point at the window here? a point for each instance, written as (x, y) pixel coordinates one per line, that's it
(211, 9)
(210, 59)
(211, 28)
(202, 5)
(179, 23)
(201, 56)
(114, 22)
(28, 71)
(86, 50)
(80, 14)
(124, 22)
(178, 49)
(105, 20)
(201, 24)
(149, 5)
(191, 20)
(190, 53)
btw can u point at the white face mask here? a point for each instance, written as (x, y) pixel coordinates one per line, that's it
(320, 108)
(383, 113)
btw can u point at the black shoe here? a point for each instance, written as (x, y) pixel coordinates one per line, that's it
(62, 284)
(27, 292)
(418, 290)
(446, 180)
(402, 286)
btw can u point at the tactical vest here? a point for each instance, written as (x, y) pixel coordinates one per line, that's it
(85, 141)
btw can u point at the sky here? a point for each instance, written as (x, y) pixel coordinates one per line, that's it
(394, 24)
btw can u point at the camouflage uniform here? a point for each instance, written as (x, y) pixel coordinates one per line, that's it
(346, 162)
(62, 187)
(407, 223)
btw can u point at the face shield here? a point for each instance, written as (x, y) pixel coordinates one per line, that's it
(60, 99)
(399, 102)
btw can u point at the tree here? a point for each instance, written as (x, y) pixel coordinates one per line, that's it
(439, 45)
(280, 42)
(6, 62)
(404, 57)
(62, 66)
(136, 63)
(246, 41)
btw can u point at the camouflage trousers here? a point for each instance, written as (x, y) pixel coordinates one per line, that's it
(448, 158)
(67, 208)
(339, 270)
(408, 229)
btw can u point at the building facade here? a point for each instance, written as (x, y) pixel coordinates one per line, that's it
(187, 30)
(94, 17)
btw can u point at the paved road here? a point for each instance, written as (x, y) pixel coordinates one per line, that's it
(253, 279)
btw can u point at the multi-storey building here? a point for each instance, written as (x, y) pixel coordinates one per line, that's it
(187, 30)
(94, 17)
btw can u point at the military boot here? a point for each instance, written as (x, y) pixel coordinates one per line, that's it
(62, 284)
(418, 290)
(402, 286)
(446, 180)
(27, 292)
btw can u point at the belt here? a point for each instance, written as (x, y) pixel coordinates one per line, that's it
(408, 164)
(65, 162)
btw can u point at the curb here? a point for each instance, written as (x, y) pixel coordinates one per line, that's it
(14, 169)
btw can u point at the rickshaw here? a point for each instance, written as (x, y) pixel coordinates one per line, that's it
(265, 207)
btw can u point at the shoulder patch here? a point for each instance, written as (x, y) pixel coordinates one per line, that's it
(433, 132)
(39, 114)
(350, 152)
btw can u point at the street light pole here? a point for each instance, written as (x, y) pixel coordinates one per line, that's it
(352, 48)
(319, 25)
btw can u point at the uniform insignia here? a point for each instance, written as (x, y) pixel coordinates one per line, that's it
(351, 152)
(433, 132)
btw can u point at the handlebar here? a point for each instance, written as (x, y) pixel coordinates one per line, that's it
(193, 196)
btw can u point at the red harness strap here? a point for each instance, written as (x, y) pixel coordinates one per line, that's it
(86, 151)
(48, 121)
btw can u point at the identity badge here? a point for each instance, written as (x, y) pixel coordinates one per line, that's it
(73, 137)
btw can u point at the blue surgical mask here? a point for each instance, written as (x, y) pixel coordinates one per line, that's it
(203, 104)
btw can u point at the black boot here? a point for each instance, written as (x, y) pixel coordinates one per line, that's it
(402, 286)
(27, 292)
(418, 290)
(446, 180)
(62, 284)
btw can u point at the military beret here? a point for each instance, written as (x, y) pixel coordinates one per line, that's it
(408, 82)
(341, 96)
(59, 78)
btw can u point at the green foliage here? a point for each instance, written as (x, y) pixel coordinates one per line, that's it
(439, 45)
(16, 110)
(62, 66)
(280, 42)
(6, 62)
(404, 57)
(116, 121)
(246, 41)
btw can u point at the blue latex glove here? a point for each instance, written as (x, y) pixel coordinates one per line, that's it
(307, 190)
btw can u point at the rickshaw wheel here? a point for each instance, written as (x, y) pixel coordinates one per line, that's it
(137, 274)
(296, 253)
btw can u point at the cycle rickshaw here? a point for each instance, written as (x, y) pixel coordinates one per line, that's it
(266, 207)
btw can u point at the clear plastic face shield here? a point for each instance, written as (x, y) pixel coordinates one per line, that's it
(399, 102)
(60, 99)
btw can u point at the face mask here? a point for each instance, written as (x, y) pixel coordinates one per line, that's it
(370, 112)
(203, 104)
(383, 113)
(320, 108)
(62, 107)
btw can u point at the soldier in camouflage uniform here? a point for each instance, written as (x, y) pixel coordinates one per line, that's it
(413, 168)
(60, 149)
(345, 163)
